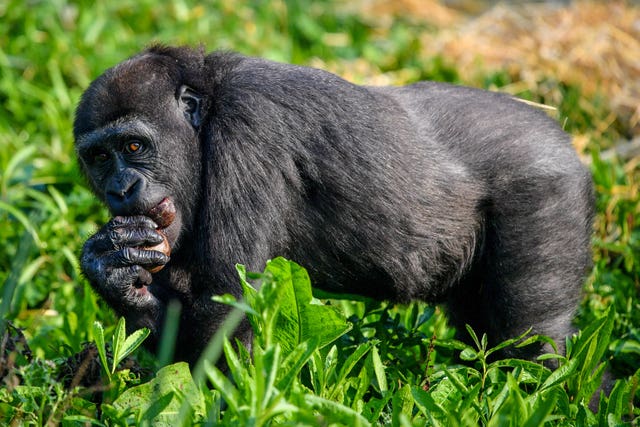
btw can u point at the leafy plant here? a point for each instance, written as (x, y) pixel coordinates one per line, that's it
(171, 395)
(121, 344)
(121, 347)
(289, 329)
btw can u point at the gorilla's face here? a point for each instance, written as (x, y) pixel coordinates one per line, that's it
(140, 145)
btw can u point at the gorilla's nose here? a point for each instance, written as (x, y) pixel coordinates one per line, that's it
(123, 192)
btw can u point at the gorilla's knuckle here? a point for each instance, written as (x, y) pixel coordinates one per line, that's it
(114, 235)
(128, 255)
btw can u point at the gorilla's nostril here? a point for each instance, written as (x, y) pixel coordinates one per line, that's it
(119, 195)
(116, 193)
(132, 189)
(124, 190)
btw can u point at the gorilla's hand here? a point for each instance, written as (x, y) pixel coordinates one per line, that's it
(117, 264)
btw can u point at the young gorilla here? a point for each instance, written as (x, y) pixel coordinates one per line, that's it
(427, 192)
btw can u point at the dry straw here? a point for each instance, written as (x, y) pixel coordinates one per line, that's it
(592, 44)
(595, 45)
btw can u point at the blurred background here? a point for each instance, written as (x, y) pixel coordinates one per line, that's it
(580, 60)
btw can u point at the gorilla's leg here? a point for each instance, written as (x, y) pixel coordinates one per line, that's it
(533, 262)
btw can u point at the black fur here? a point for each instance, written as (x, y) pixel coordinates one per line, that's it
(433, 192)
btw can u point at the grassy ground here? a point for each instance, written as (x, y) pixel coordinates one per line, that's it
(388, 368)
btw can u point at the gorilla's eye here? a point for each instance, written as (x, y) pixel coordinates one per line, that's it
(133, 146)
(100, 157)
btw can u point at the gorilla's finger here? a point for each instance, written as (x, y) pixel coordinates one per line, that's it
(134, 256)
(134, 237)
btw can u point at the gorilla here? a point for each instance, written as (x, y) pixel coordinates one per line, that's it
(429, 192)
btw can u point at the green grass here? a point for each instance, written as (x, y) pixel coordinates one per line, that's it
(396, 365)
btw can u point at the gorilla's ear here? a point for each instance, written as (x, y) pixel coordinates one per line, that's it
(190, 102)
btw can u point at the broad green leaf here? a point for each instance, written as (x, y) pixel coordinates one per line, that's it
(499, 400)
(300, 320)
(451, 344)
(317, 373)
(278, 406)
(530, 371)
(161, 398)
(159, 409)
(80, 420)
(361, 384)
(536, 339)
(374, 407)
(266, 370)
(247, 290)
